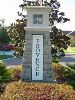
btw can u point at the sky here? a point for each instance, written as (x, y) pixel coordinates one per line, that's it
(68, 6)
(9, 9)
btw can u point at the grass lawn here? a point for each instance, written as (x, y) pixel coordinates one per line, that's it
(5, 56)
(70, 50)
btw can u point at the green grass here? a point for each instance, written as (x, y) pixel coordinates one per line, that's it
(70, 50)
(5, 56)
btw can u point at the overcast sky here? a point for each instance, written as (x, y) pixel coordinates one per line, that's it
(9, 9)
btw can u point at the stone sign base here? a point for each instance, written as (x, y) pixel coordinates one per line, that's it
(48, 75)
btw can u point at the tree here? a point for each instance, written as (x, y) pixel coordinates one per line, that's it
(4, 74)
(59, 41)
(4, 37)
(17, 35)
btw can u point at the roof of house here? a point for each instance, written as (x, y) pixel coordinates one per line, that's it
(69, 32)
(73, 33)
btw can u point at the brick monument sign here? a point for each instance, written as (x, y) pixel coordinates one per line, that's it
(37, 55)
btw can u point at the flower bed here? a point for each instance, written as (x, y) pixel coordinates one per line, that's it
(37, 91)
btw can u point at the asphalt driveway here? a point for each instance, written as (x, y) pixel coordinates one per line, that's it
(69, 58)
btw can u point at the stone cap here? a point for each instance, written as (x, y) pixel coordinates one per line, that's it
(38, 7)
(37, 28)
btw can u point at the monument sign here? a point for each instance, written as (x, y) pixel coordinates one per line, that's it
(37, 55)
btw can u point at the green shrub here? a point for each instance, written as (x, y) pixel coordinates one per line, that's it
(72, 66)
(72, 83)
(55, 59)
(59, 72)
(5, 56)
(69, 73)
(37, 91)
(64, 74)
(4, 74)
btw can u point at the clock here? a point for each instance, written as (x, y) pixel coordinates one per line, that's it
(37, 19)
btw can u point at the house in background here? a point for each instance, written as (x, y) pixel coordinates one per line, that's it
(71, 34)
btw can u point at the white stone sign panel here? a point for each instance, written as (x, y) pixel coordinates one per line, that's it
(37, 57)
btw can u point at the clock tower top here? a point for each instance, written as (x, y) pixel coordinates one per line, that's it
(37, 17)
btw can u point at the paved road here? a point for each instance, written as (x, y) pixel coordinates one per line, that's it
(13, 61)
(70, 58)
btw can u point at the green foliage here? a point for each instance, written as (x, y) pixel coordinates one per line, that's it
(69, 73)
(5, 56)
(72, 66)
(65, 74)
(72, 83)
(4, 37)
(17, 35)
(4, 74)
(55, 59)
(59, 42)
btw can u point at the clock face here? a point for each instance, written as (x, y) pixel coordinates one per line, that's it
(37, 19)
